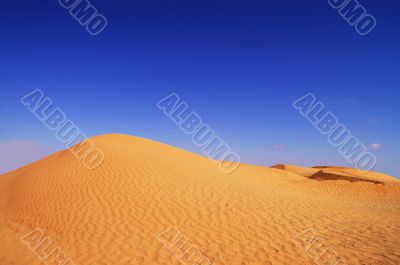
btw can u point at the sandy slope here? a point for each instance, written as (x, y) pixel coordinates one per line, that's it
(114, 213)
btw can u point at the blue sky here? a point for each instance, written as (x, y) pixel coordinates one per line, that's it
(239, 65)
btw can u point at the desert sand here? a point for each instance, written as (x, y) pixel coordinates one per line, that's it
(117, 213)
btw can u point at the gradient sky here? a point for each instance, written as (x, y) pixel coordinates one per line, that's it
(239, 64)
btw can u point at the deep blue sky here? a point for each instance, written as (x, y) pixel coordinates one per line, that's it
(239, 64)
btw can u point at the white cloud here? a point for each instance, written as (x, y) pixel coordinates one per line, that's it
(350, 101)
(279, 146)
(375, 146)
(372, 121)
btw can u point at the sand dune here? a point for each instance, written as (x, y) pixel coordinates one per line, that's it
(338, 173)
(125, 211)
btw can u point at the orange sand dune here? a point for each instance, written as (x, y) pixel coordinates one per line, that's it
(129, 209)
(338, 173)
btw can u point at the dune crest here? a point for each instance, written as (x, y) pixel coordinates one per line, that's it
(115, 214)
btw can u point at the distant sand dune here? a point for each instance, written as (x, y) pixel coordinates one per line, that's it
(115, 213)
(326, 175)
(337, 173)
